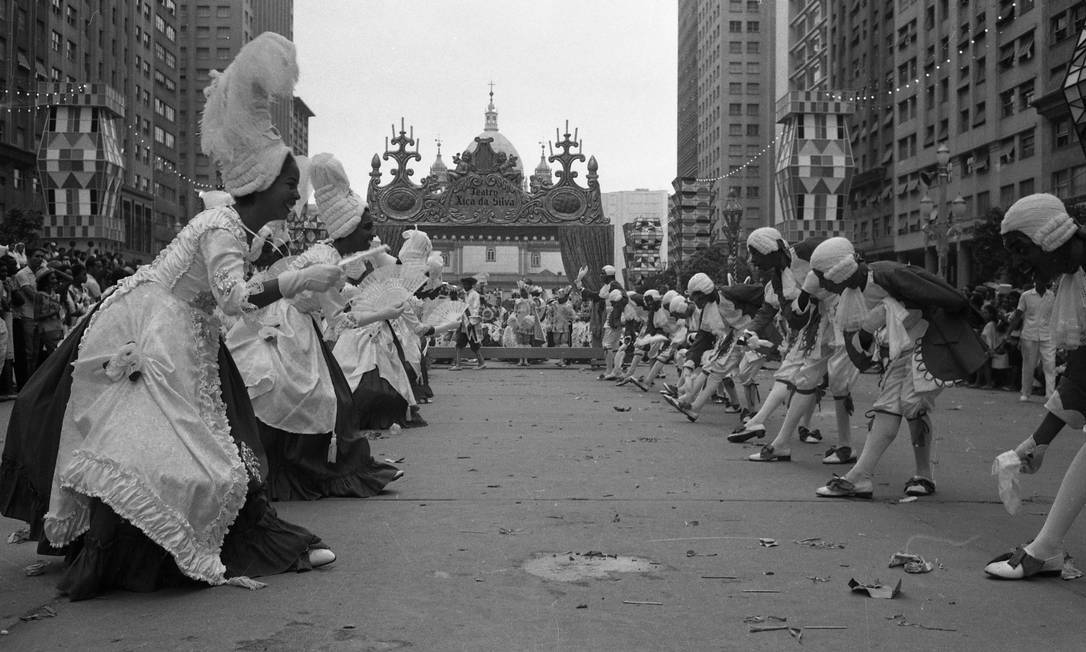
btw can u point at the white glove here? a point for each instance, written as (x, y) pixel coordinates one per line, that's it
(316, 278)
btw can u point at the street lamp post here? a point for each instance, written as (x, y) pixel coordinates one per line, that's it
(939, 219)
(733, 223)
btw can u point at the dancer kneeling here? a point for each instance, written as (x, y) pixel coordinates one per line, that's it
(135, 450)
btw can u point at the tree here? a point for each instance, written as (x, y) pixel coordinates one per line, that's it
(21, 225)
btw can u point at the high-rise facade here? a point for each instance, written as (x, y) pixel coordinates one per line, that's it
(93, 99)
(726, 99)
(981, 78)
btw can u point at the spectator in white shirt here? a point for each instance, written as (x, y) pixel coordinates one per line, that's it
(1034, 310)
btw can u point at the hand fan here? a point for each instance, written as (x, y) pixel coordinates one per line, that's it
(442, 311)
(387, 286)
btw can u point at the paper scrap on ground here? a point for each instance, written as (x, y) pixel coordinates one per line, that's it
(768, 543)
(876, 590)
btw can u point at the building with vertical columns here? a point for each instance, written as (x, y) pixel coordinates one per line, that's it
(726, 65)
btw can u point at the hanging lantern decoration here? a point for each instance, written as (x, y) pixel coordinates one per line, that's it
(1074, 87)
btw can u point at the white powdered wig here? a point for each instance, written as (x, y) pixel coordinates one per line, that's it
(766, 240)
(236, 129)
(1042, 218)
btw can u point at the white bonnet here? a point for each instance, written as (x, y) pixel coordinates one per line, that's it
(1042, 218)
(668, 297)
(615, 295)
(609, 270)
(677, 304)
(236, 129)
(339, 208)
(416, 247)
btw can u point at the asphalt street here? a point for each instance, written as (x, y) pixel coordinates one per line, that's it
(538, 513)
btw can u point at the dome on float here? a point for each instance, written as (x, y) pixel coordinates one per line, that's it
(499, 143)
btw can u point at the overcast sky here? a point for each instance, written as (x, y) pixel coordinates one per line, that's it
(607, 66)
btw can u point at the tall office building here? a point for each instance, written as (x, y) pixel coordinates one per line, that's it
(726, 97)
(93, 97)
(981, 78)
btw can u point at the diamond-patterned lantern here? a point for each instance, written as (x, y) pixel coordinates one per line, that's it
(1074, 87)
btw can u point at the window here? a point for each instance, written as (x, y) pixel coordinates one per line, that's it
(536, 259)
(754, 68)
(54, 41)
(753, 26)
(735, 67)
(222, 32)
(980, 114)
(1026, 144)
(1025, 187)
(752, 109)
(69, 15)
(491, 255)
(735, 47)
(69, 51)
(222, 11)
(752, 129)
(753, 47)
(1006, 103)
(752, 192)
(735, 129)
(735, 109)
(980, 70)
(735, 88)
(735, 26)
(1062, 132)
(754, 88)
(1025, 96)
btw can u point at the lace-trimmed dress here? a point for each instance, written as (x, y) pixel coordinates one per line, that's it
(302, 398)
(138, 438)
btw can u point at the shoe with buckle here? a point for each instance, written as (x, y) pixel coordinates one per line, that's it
(839, 455)
(838, 487)
(808, 436)
(769, 454)
(1019, 564)
(918, 486)
(746, 433)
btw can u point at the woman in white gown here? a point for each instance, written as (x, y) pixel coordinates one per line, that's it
(309, 426)
(137, 436)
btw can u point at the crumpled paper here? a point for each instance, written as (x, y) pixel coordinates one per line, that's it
(876, 590)
(914, 564)
(1007, 468)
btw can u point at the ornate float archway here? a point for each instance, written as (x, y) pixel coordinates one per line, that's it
(483, 200)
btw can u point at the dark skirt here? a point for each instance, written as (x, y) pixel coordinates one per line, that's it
(298, 466)
(379, 405)
(114, 554)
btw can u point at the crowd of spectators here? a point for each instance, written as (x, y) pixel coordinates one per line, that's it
(45, 290)
(1016, 330)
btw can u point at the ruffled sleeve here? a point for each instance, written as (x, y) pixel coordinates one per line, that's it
(226, 272)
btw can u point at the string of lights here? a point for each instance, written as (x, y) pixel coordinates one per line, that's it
(742, 167)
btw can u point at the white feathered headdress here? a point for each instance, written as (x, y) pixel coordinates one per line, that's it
(340, 209)
(236, 130)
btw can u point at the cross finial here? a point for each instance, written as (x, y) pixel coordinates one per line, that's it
(492, 91)
(438, 141)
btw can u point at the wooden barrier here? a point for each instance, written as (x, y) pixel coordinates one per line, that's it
(515, 353)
